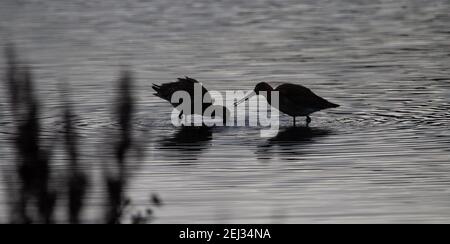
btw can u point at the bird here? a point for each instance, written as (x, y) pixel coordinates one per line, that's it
(294, 100)
(166, 90)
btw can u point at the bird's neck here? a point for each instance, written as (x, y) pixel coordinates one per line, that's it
(268, 96)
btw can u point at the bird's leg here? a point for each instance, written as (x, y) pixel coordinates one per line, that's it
(180, 116)
(308, 120)
(294, 121)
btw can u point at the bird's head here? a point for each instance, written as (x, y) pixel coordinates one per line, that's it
(262, 87)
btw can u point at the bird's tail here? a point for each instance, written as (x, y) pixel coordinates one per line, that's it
(157, 88)
(322, 103)
(332, 105)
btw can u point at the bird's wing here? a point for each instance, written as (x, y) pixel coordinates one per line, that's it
(300, 95)
(166, 90)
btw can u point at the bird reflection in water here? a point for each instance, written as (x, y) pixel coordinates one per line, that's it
(187, 143)
(287, 143)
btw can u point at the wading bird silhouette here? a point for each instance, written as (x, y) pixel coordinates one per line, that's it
(294, 100)
(166, 90)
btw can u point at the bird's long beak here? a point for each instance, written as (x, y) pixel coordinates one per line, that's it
(249, 95)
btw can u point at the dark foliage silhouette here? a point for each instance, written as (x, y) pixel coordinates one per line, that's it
(77, 179)
(33, 190)
(36, 199)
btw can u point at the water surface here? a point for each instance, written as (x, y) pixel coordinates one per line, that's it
(382, 157)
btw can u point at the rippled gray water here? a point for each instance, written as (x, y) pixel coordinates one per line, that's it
(383, 156)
